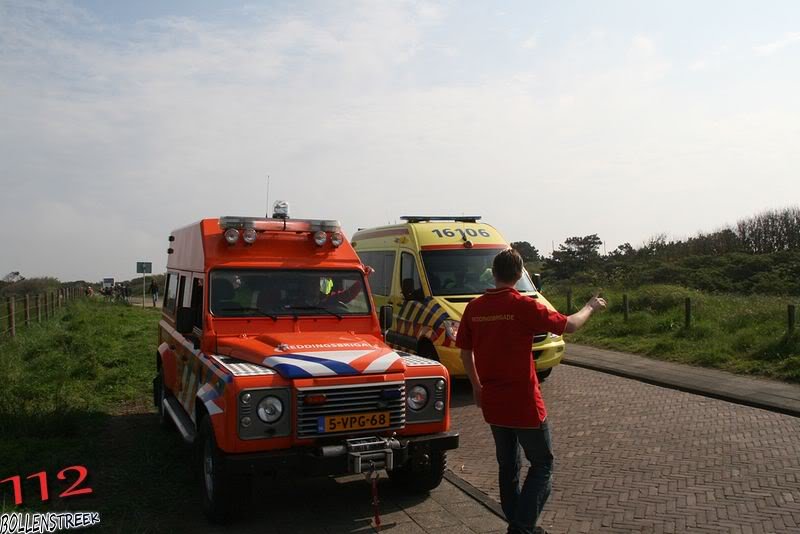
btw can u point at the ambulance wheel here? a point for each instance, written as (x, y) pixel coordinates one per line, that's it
(160, 394)
(420, 474)
(213, 479)
(426, 350)
(543, 374)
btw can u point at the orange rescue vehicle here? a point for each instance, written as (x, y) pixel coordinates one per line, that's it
(271, 357)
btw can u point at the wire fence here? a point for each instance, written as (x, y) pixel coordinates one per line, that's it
(22, 311)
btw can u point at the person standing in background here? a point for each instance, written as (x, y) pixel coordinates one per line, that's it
(154, 291)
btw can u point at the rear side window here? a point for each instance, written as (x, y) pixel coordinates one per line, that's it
(383, 262)
(171, 294)
(410, 284)
(197, 303)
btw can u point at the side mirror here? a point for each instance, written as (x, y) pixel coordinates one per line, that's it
(386, 317)
(537, 281)
(183, 321)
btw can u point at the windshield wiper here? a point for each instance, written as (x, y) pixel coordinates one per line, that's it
(321, 308)
(259, 310)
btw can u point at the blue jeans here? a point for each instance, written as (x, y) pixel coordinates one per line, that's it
(522, 506)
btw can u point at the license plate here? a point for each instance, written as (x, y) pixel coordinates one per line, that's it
(353, 421)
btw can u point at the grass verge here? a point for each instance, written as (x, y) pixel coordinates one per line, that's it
(77, 391)
(742, 334)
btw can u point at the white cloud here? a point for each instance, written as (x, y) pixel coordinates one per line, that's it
(768, 49)
(530, 43)
(642, 46)
(698, 65)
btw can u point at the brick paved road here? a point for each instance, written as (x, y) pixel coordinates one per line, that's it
(343, 505)
(631, 457)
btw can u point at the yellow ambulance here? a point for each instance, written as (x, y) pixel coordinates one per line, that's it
(428, 269)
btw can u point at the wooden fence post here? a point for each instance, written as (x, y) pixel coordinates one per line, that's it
(688, 308)
(38, 307)
(569, 301)
(46, 305)
(27, 310)
(12, 321)
(792, 313)
(625, 309)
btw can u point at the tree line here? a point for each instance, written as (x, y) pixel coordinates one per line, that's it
(759, 254)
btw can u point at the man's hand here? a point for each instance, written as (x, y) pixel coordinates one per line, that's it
(477, 392)
(578, 319)
(597, 303)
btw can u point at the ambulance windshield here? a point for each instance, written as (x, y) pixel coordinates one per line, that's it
(464, 271)
(273, 293)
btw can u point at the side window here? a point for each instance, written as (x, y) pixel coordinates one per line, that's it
(383, 262)
(387, 271)
(197, 303)
(410, 284)
(182, 291)
(171, 294)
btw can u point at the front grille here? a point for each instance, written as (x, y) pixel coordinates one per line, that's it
(350, 400)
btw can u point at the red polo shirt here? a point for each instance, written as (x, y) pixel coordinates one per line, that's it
(498, 327)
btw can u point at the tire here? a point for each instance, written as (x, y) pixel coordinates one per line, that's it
(542, 375)
(214, 482)
(160, 394)
(426, 350)
(420, 474)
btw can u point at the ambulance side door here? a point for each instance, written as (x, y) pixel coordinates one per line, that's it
(407, 300)
(380, 281)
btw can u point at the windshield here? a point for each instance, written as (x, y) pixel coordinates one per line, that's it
(270, 293)
(464, 271)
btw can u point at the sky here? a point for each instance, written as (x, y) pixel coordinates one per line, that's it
(120, 121)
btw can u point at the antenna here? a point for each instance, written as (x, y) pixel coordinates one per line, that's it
(266, 213)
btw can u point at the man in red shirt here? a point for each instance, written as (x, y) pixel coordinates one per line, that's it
(495, 338)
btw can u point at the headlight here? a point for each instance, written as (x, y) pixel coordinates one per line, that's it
(417, 398)
(249, 235)
(270, 409)
(451, 327)
(231, 236)
(320, 238)
(336, 239)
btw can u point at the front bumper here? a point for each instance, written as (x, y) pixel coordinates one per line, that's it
(312, 461)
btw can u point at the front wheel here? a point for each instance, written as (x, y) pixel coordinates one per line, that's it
(214, 482)
(543, 374)
(421, 473)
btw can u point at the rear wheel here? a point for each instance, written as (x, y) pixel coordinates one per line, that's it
(160, 395)
(421, 473)
(214, 482)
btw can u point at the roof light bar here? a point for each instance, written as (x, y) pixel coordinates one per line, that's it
(426, 218)
(280, 210)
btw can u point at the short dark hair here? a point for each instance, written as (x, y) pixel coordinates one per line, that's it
(507, 266)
